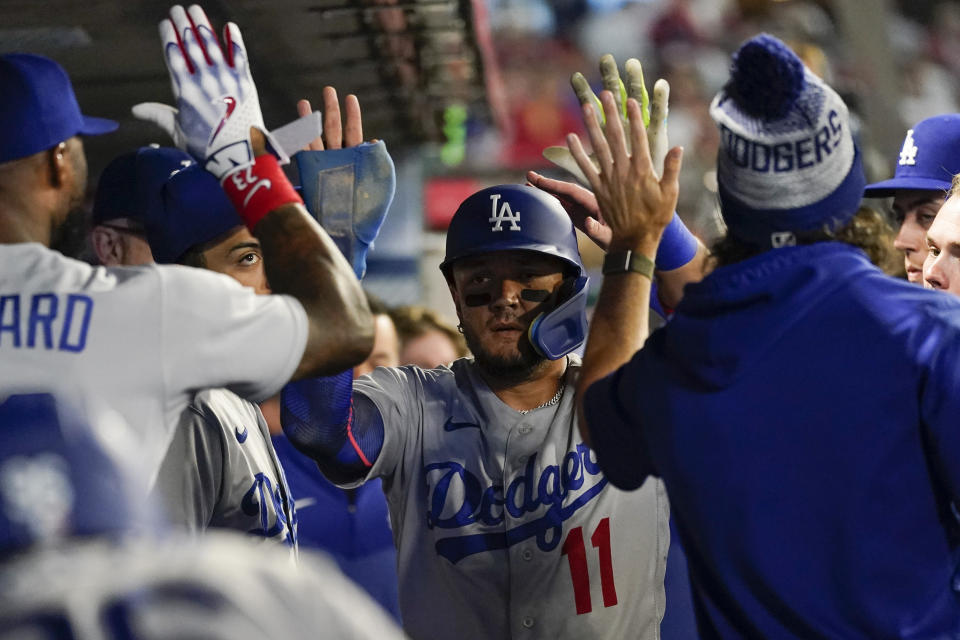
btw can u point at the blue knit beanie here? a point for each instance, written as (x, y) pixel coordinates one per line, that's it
(787, 161)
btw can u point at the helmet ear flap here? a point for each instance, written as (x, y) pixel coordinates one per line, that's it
(556, 333)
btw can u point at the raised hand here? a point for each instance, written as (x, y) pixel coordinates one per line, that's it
(216, 99)
(353, 212)
(654, 113)
(580, 204)
(636, 204)
(335, 135)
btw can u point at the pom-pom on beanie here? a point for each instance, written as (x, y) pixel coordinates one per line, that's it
(787, 161)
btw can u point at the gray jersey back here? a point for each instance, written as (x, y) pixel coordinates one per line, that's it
(140, 340)
(504, 523)
(221, 471)
(217, 586)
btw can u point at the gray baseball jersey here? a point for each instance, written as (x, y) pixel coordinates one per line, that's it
(217, 586)
(504, 524)
(221, 471)
(140, 339)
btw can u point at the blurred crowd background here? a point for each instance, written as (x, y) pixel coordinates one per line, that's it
(894, 63)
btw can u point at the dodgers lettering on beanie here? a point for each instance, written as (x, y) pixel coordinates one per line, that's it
(787, 161)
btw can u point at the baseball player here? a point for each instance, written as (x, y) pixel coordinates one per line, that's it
(927, 162)
(220, 470)
(66, 324)
(72, 564)
(504, 525)
(804, 423)
(118, 235)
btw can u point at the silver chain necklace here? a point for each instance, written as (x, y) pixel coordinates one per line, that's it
(552, 401)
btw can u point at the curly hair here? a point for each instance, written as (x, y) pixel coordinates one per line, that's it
(868, 230)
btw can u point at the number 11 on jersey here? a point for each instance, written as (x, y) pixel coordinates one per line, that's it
(576, 552)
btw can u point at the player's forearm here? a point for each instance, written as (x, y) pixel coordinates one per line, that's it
(618, 328)
(301, 260)
(321, 419)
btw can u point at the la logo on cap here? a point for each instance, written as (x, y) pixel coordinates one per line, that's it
(908, 154)
(505, 214)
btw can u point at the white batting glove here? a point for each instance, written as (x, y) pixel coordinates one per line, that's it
(216, 100)
(654, 113)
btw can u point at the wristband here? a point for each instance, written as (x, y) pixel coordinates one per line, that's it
(258, 189)
(626, 262)
(677, 246)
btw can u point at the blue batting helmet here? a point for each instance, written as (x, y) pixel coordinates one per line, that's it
(132, 183)
(55, 480)
(512, 216)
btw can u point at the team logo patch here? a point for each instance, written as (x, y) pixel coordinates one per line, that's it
(503, 215)
(783, 239)
(266, 502)
(908, 154)
(230, 104)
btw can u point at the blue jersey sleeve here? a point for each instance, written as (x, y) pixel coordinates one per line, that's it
(616, 436)
(323, 419)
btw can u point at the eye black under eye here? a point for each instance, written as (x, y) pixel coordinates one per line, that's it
(477, 299)
(534, 295)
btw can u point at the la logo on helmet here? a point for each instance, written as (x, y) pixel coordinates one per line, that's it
(505, 214)
(908, 154)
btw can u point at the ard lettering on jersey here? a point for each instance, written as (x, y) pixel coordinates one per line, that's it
(908, 154)
(45, 321)
(458, 500)
(502, 215)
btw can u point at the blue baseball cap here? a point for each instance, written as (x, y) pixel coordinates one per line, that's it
(133, 182)
(194, 210)
(928, 160)
(39, 109)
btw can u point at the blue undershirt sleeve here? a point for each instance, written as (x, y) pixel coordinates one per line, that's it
(677, 246)
(325, 420)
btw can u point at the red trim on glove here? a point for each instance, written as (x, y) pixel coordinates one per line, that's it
(258, 189)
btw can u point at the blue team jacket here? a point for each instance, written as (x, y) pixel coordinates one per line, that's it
(803, 410)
